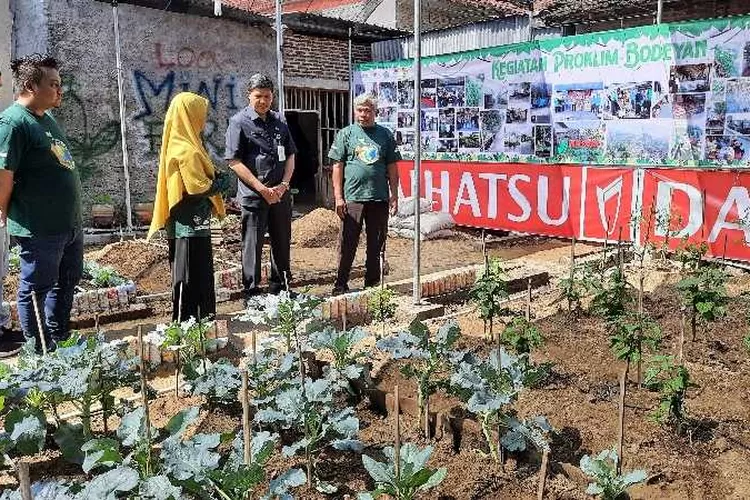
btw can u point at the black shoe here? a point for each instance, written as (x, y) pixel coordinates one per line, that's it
(339, 290)
(11, 342)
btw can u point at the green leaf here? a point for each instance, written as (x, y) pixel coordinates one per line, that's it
(108, 485)
(180, 422)
(379, 472)
(159, 488)
(70, 439)
(101, 453)
(435, 479)
(28, 430)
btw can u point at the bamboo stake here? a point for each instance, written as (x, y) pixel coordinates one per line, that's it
(572, 267)
(144, 397)
(724, 254)
(177, 373)
(202, 339)
(543, 475)
(24, 481)
(621, 419)
(397, 450)
(246, 430)
(179, 304)
(620, 256)
(427, 417)
(641, 285)
(253, 342)
(485, 255)
(39, 324)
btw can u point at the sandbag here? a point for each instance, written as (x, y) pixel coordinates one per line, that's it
(406, 206)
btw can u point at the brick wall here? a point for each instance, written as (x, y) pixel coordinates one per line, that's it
(308, 56)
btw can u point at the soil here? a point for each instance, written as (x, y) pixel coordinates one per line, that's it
(319, 228)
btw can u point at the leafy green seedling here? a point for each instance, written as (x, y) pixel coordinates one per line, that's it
(613, 296)
(218, 382)
(703, 292)
(607, 483)
(101, 276)
(489, 293)
(283, 313)
(430, 357)
(630, 333)
(347, 361)
(575, 287)
(14, 259)
(672, 381)
(521, 336)
(381, 306)
(189, 338)
(414, 475)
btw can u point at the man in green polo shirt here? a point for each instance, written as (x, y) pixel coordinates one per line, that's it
(40, 199)
(365, 185)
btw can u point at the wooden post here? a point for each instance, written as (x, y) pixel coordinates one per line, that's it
(397, 449)
(528, 300)
(543, 475)
(621, 419)
(253, 342)
(724, 254)
(24, 481)
(144, 395)
(177, 374)
(620, 256)
(572, 267)
(246, 430)
(427, 417)
(202, 339)
(485, 254)
(39, 323)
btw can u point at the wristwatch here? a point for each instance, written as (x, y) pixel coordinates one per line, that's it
(285, 184)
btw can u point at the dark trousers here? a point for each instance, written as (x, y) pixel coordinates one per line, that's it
(51, 267)
(374, 215)
(257, 218)
(192, 263)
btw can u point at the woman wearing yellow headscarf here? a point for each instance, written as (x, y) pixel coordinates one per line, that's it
(188, 191)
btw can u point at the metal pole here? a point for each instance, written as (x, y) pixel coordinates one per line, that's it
(279, 60)
(351, 80)
(659, 10)
(416, 183)
(123, 126)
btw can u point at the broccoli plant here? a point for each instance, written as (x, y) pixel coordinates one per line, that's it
(341, 344)
(534, 431)
(14, 259)
(490, 292)
(612, 296)
(381, 306)
(414, 476)
(101, 276)
(188, 338)
(672, 380)
(283, 313)
(521, 335)
(489, 387)
(704, 294)
(607, 483)
(310, 411)
(218, 382)
(269, 373)
(430, 357)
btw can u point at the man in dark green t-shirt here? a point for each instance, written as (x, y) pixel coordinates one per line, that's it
(40, 198)
(365, 184)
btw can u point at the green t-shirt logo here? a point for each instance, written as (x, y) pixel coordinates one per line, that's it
(62, 153)
(367, 153)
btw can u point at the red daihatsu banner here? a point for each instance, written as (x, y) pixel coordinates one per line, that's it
(593, 203)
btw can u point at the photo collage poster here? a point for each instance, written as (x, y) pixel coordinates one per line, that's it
(661, 95)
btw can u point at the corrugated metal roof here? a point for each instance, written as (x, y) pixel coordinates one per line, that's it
(474, 36)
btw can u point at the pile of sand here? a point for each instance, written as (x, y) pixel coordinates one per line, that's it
(319, 228)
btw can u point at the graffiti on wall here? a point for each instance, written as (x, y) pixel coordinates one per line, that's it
(204, 72)
(88, 141)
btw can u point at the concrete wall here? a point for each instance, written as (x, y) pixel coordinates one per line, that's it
(6, 24)
(162, 54)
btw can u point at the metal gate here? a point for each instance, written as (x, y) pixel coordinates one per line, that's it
(332, 105)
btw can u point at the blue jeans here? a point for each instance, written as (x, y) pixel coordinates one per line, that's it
(51, 267)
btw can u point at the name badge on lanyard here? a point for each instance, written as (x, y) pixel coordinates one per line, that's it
(280, 152)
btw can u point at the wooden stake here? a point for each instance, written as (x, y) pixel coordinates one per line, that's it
(528, 300)
(427, 417)
(397, 449)
(724, 253)
(177, 373)
(682, 335)
(179, 303)
(202, 339)
(343, 314)
(621, 419)
(39, 323)
(96, 323)
(543, 475)
(639, 369)
(572, 267)
(485, 255)
(24, 481)
(246, 430)
(253, 342)
(620, 257)
(144, 395)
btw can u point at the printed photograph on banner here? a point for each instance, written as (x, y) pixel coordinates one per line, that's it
(492, 142)
(738, 95)
(543, 141)
(519, 94)
(405, 140)
(429, 121)
(451, 92)
(661, 103)
(387, 94)
(448, 146)
(491, 120)
(728, 61)
(582, 141)
(406, 94)
(469, 142)
(690, 78)
(387, 114)
(372, 89)
(578, 101)
(518, 140)
(430, 142)
(517, 115)
(637, 141)
(406, 119)
(495, 94)
(716, 117)
(687, 141)
(630, 100)
(689, 107)
(359, 89)
(746, 59)
(447, 123)
(738, 124)
(429, 97)
(474, 91)
(541, 99)
(467, 119)
(727, 148)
